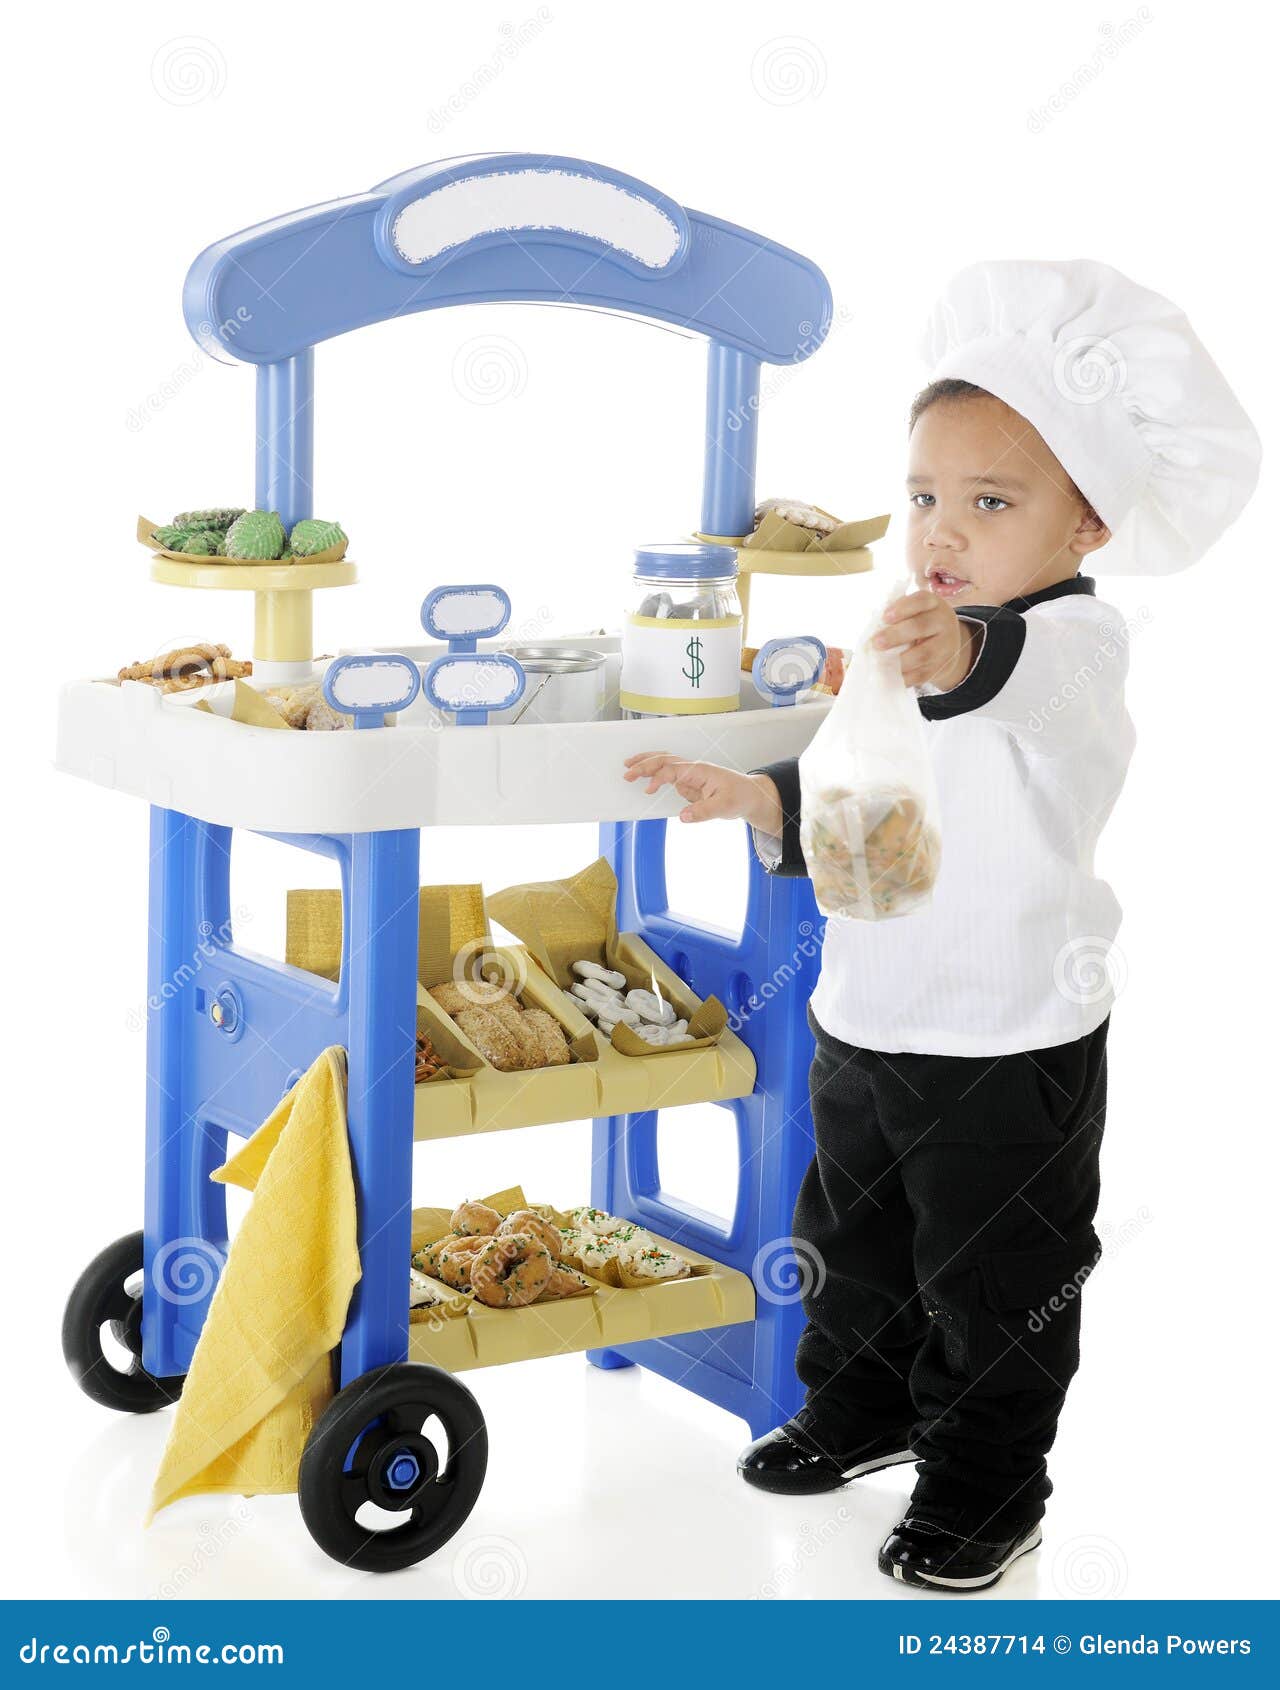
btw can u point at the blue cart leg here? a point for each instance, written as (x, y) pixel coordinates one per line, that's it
(185, 1219)
(382, 948)
(609, 1359)
(766, 979)
(227, 1033)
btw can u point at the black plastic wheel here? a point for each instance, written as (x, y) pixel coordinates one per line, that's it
(108, 1295)
(393, 1467)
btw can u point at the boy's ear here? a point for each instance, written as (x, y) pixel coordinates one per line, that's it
(1091, 533)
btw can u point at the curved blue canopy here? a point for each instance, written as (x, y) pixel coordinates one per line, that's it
(502, 226)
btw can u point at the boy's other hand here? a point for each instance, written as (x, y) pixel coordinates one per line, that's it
(937, 645)
(712, 791)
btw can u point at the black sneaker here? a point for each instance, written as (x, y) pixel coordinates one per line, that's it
(794, 1460)
(919, 1551)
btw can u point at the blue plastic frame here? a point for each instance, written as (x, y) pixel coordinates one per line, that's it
(765, 977)
(277, 289)
(205, 1083)
(230, 1031)
(268, 295)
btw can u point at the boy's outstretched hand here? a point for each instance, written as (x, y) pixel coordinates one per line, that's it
(937, 645)
(711, 790)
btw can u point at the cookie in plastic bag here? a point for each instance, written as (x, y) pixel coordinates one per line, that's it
(868, 803)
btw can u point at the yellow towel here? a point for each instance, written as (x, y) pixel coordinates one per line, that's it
(261, 1372)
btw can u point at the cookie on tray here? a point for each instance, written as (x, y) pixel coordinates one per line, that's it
(454, 996)
(491, 1037)
(651, 1267)
(565, 1282)
(553, 1047)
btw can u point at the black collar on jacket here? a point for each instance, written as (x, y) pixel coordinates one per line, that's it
(1059, 590)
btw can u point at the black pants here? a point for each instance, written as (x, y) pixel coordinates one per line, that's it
(948, 1213)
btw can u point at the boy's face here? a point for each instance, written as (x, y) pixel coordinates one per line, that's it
(993, 513)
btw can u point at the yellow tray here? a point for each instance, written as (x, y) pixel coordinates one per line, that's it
(614, 1084)
(755, 560)
(760, 562)
(714, 1295)
(250, 577)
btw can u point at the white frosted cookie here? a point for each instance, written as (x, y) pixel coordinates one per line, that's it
(599, 1258)
(652, 1267)
(650, 1007)
(590, 1221)
(424, 1292)
(631, 1238)
(588, 971)
(797, 511)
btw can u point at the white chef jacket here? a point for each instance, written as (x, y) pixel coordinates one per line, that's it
(1029, 752)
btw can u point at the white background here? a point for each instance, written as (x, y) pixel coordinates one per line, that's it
(892, 144)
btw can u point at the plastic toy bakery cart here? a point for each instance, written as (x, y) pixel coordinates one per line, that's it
(225, 1041)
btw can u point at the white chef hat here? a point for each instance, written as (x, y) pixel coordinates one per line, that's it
(1123, 393)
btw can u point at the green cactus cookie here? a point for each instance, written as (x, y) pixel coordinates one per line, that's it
(172, 538)
(313, 534)
(204, 543)
(221, 517)
(257, 535)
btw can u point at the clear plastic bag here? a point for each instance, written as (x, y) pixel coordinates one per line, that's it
(868, 802)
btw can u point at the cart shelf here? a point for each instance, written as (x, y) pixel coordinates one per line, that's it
(713, 1296)
(416, 774)
(609, 1083)
(613, 1084)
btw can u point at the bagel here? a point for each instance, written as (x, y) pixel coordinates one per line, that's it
(510, 1270)
(524, 1220)
(457, 1259)
(471, 1219)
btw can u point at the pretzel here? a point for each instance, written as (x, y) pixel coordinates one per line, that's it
(187, 667)
(427, 1061)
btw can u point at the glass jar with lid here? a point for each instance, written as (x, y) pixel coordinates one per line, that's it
(682, 635)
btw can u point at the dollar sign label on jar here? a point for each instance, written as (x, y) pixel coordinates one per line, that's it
(674, 666)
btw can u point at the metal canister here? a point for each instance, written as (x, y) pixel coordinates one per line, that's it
(565, 683)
